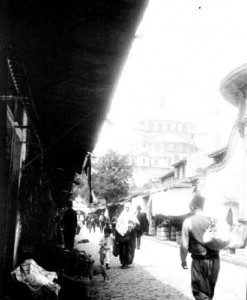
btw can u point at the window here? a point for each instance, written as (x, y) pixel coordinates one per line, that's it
(150, 126)
(173, 126)
(179, 148)
(157, 146)
(185, 128)
(180, 127)
(170, 147)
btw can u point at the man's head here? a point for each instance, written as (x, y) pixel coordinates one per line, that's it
(139, 208)
(197, 202)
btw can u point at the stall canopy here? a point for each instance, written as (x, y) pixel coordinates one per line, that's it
(139, 200)
(173, 202)
(81, 207)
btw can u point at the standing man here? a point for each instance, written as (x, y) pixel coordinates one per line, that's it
(142, 226)
(102, 219)
(205, 262)
(69, 224)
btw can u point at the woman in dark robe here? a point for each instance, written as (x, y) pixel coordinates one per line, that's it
(126, 236)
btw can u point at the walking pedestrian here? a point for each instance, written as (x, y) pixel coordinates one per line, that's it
(88, 221)
(142, 227)
(79, 223)
(205, 261)
(102, 220)
(106, 244)
(126, 235)
(69, 223)
(91, 222)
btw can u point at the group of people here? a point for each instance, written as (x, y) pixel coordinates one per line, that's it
(126, 236)
(93, 221)
(205, 261)
(126, 231)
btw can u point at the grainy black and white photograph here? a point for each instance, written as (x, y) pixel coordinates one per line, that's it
(123, 150)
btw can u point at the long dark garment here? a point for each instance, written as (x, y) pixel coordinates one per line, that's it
(69, 223)
(204, 275)
(69, 237)
(127, 245)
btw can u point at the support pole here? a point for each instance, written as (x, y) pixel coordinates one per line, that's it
(3, 142)
(3, 171)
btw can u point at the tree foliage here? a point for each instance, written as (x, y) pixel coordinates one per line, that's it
(111, 176)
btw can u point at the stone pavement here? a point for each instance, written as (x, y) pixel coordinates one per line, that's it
(157, 274)
(238, 258)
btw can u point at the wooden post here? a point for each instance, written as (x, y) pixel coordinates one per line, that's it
(3, 179)
(3, 136)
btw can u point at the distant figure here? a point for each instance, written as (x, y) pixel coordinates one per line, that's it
(142, 227)
(88, 217)
(91, 223)
(80, 222)
(102, 220)
(205, 262)
(229, 217)
(69, 223)
(106, 244)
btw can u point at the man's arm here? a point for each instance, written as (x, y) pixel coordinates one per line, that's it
(184, 244)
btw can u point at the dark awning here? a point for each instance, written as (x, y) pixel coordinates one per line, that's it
(66, 57)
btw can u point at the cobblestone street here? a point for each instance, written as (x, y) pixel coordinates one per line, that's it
(157, 274)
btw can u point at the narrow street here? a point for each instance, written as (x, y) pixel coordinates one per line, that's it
(157, 274)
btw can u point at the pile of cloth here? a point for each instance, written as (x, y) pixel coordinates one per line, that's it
(37, 279)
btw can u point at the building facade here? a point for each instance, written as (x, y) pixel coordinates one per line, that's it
(164, 142)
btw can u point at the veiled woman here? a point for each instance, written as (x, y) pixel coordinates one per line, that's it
(126, 235)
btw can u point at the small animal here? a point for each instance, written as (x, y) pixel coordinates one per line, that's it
(98, 269)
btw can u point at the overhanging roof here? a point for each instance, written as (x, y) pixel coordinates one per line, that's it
(233, 86)
(67, 57)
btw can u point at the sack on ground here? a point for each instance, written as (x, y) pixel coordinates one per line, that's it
(217, 236)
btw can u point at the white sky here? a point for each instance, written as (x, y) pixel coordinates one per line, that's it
(181, 55)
